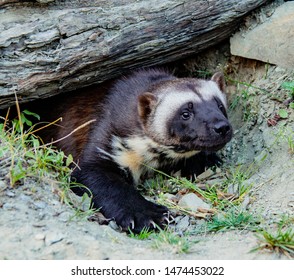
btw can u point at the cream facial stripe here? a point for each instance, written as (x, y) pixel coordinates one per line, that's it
(169, 104)
(209, 90)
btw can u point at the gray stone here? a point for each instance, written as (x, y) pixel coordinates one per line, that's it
(53, 237)
(9, 206)
(233, 188)
(40, 204)
(2, 185)
(193, 202)
(114, 225)
(40, 236)
(272, 41)
(24, 197)
(10, 193)
(65, 216)
(206, 174)
(183, 224)
(170, 197)
(245, 202)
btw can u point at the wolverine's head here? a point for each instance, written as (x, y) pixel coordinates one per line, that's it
(187, 114)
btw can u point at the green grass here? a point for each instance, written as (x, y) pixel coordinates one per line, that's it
(212, 194)
(233, 218)
(281, 241)
(289, 86)
(23, 157)
(244, 98)
(158, 184)
(144, 234)
(171, 241)
(288, 136)
(165, 239)
(26, 157)
(284, 134)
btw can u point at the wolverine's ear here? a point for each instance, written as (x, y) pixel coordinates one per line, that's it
(220, 80)
(147, 101)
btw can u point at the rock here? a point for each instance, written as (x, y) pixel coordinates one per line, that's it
(245, 202)
(81, 202)
(170, 197)
(193, 202)
(272, 41)
(39, 205)
(183, 224)
(206, 174)
(233, 188)
(2, 185)
(41, 216)
(65, 216)
(9, 206)
(40, 236)
(10, 194)
(24, 198)
(216, 181)
(39, 224)
(218, 170)
(53, 237)
(113, 225)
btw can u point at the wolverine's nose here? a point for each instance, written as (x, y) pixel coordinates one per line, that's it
(222, 128)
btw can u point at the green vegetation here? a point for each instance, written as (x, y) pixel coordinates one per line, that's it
(290, 87)
(280, 241)
(144, 234)
(285, 134)
(165, 239)
(26, 157)
(203, 74)
(216, 194)
(289, 137)
(23, 156)
(244, 99)
(233, 218)
(246, 92)
(170, 240)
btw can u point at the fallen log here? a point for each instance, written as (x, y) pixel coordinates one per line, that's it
(49, 47)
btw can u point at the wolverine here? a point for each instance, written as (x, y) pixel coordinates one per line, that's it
(149, 120)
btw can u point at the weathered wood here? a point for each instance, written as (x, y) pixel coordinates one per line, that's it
(50, 48)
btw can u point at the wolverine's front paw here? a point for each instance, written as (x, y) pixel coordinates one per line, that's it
(139, 214)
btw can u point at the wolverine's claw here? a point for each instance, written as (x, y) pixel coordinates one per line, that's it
(168, 218)
(132, 225)
(153, 224)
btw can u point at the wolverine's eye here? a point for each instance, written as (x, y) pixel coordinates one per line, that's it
(186, 115)
(221, 106)
(223, 109)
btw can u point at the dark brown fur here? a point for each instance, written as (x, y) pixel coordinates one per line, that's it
(75, 109)
(108, 150)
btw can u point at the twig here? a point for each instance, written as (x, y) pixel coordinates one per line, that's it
(72, 132)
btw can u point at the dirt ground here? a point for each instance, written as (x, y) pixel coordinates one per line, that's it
(36, 225)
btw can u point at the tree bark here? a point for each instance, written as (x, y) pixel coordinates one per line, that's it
(48, 47)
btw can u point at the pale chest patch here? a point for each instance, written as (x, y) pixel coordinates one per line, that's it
(131, 160)
(135, 154)
(141, 155)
